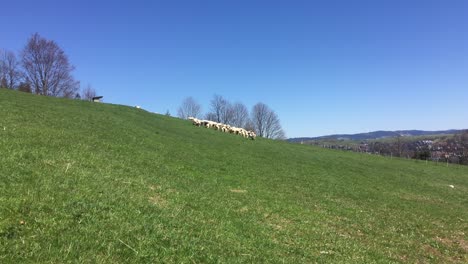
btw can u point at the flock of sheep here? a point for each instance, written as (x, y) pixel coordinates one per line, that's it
(223, 127)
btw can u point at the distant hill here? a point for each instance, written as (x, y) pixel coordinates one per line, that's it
(377, 135)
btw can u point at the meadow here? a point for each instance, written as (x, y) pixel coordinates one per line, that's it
(102, 183)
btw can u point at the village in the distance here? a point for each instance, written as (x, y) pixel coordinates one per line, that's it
(449, 146)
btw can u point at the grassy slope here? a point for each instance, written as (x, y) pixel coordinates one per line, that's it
(107, 183)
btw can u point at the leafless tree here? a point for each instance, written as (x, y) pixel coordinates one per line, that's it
(240, 115)
(10, 73)
(221, 109)
(217, 104)
(398, 145)
(211, 116)
(88, 93)
(189, 108)
(48, 69)
(266, 122)
(464, 145)
(249, 125)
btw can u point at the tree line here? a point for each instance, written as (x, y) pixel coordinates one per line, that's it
(42, 68)
(261, 119)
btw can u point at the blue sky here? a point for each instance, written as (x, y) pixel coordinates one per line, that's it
(324, 66)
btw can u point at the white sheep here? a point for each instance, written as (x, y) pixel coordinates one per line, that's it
(195, 121)
(243, 132)
(252, 135)
(224, 128)
(210, 124)
(234, 130)
(217, 126)
(205, 123)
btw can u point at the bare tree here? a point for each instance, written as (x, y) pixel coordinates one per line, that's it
(48, 69)
(10, 74)
(464, 145)
(221, 110)
(266, 122)
(240, 115)
(211, 116)
(189, 108)
(249, 125)
(398, 145)
(88, 93)
(227, 115)
(217, 104)
(258, 117)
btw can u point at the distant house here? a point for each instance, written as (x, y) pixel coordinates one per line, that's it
(97, 99)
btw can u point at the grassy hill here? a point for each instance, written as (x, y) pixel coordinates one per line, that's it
(89, 182)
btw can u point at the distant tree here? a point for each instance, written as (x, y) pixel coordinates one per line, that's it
(24, 87)
(249, 125)
(217, 104)
(266, 122)
(47, 68)
(3, 82)
(221, 109)
(422, 153)
(10, 73)
(211, 116)
(88, 93)
(464, 145)
(228, 115)
(77, 96)
(189, 108)
(240, 115)
(398, 146)
(168, 113)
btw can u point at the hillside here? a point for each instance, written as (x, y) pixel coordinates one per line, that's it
(90, 182)
(378, 135)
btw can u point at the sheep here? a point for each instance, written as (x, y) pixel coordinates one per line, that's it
(234, 130)
(211, 124)
(224, 128)
(195, 121)
(243, 132)
(205, 123)
(252, 135)
(217, 126)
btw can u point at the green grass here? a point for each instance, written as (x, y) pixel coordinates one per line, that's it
(89, 182)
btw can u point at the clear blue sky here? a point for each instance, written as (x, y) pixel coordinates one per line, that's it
(324, 66)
